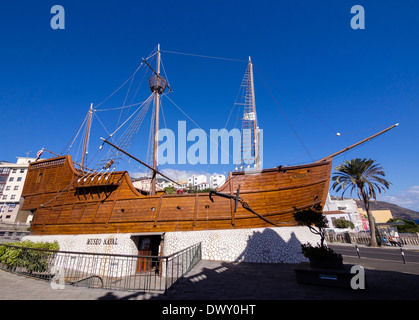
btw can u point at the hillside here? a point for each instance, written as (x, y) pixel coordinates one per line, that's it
(396, 211)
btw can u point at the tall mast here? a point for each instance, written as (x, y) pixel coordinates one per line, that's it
(156, 122)
(255, 126)
(86, 138)
(250, 134)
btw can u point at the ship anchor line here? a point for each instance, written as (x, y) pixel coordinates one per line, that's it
(68, 198)
(246, 206)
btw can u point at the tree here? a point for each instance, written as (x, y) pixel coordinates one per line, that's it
(320, 255)
(314, 219)
(365, 178)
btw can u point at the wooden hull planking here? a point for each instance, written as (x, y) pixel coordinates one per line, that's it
(66, 202)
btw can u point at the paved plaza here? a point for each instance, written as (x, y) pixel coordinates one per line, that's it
(218, 280)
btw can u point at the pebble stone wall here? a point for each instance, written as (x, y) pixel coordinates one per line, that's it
(115, 243)
(260, 245)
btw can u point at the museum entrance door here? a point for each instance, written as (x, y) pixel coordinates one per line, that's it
(148, 246)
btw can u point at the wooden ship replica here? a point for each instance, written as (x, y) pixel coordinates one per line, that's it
(69, 199)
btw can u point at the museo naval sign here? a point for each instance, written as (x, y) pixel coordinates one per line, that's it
(100, 241)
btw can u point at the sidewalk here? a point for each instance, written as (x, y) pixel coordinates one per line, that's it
(218, 280)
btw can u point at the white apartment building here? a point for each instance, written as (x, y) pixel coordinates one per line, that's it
(144, 184)
(12, 179)
(203, 186)
(180, 184)
(337, 208)
(196, 180)
(217, 180)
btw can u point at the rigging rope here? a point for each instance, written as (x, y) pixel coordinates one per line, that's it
(299, 102)
(203, 56)
(226, 152)
(124, 141)
(286, 118)
(120, 85)
(141, 64)
(70, 145)
(148, 100)
(118, 108)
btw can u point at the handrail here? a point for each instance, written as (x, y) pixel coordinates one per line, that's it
(115, 271)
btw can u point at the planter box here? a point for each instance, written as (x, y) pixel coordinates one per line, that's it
(331, 262)
(339, 278)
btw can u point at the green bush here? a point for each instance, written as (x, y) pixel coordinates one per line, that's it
(318, 252)
(410, 226)
(19, 255)
(343, 223)
(170, 190)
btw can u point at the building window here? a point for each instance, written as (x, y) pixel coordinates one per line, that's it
(22, 170)
(11, 179)
(19, 179)
(14, 170)
(40, 177)
(8, 217)
(13, 197)
(7, 188)
(16, 188)
(5, 197)
(2, 208)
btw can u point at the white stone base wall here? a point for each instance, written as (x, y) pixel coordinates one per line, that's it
(261, 245)
(113, 243)
(82, 266)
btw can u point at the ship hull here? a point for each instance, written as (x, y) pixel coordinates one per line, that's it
(67, 201)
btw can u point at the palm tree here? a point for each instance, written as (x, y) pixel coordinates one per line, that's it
(365, 178)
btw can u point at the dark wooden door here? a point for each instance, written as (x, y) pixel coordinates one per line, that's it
(144, 264)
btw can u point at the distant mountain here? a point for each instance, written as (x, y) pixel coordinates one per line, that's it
(396, 211)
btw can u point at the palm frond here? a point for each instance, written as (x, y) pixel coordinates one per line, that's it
(360, 174)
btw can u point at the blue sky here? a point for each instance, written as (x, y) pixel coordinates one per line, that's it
(326, 77)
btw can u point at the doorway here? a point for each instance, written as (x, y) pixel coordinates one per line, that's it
(149, 246)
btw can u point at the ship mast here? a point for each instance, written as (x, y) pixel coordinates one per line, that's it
(255, 126)
(250, 145)
(157, 89)
(86, 137)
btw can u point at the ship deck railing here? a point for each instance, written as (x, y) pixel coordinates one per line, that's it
(138, 273)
